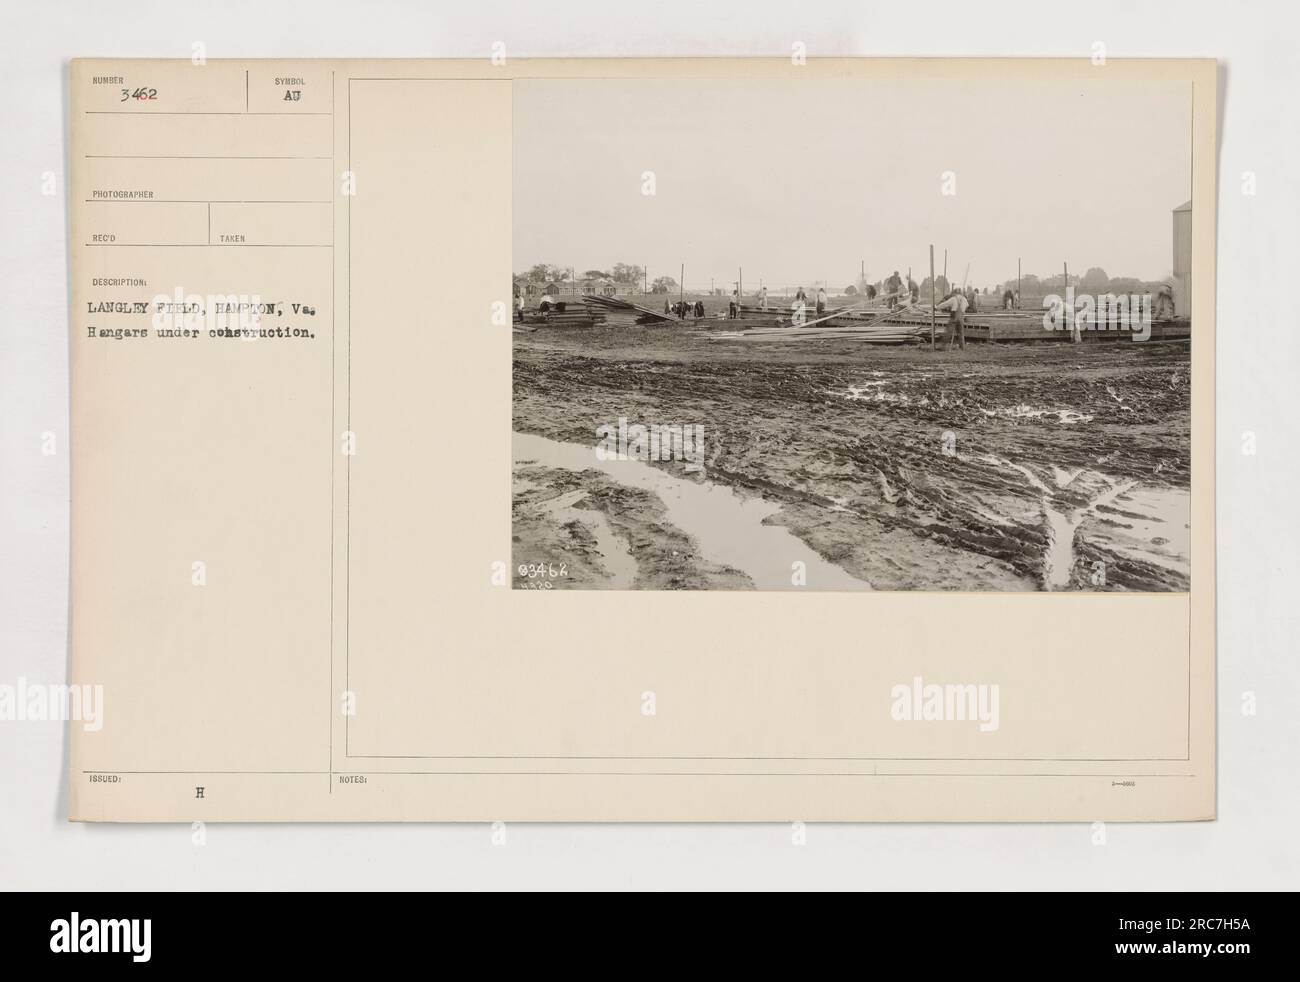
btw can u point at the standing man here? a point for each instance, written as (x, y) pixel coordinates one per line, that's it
(733, 311)
(821, 302)
(955, 304)
(762, 297)
(893, 287)
(1164, 302)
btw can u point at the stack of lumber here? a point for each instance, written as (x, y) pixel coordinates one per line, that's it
(571, 316)
(642, 315)
(865, 322)
(873, 334)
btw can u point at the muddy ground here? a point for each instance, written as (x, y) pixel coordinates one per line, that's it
(1006, 467)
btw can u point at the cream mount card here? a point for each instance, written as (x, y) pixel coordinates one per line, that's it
(643, 440)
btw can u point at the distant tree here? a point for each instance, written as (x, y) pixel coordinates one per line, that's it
(547, 273)
(663, 284)
(1057, 284)
(626, 273)
(1094, 281)
(942, 288)
(850, 291)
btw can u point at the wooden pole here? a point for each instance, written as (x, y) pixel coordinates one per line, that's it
(681, 286)
(1065, 289)
(932, 288)
(1016, 304)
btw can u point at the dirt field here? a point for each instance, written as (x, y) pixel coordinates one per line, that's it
(1044, 466)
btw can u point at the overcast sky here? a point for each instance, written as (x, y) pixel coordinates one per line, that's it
(800, 180)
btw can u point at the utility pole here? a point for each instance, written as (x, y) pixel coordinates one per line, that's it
(1016, 305)
(1074, 324)
(932, 287)
(681, 286)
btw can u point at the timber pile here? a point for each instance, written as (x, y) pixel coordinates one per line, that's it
(864, 310)
(571, 316)
(881, 334)
(642, 315)
(1026, 326)
(868, 322)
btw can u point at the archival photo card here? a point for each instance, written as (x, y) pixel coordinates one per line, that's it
(366, 354)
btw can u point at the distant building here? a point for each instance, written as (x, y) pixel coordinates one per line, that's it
(1183, 259)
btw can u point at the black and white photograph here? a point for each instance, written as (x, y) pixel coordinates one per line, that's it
(852, 335)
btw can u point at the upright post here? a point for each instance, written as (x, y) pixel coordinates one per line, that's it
(932, 288)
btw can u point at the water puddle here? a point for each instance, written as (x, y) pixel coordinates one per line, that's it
(1059, 559)
(869, 392)
(729, 529)
(1151, 524)
(1065, 416)
(613, 549)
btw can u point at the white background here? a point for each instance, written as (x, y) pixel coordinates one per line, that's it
(1253, 843)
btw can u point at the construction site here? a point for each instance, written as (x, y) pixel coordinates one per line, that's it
(916, 429)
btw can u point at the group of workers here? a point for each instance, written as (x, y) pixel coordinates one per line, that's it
(897, 292)
(684, 309)
(545, 304)
(800, 305)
